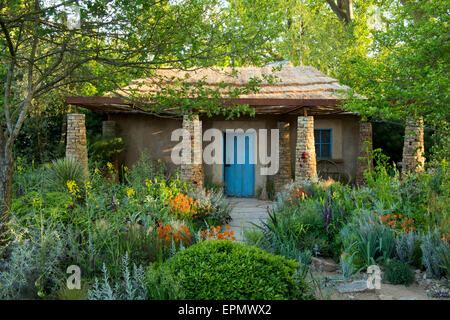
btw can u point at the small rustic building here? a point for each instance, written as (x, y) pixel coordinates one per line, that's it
(316, 137)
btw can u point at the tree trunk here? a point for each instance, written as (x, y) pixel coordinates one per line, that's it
(6, 175)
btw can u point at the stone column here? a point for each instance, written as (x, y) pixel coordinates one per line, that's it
(413, 147)
(305, 151)
(364, 150)
(192, 164)
(283, 176)
(109, 129)
(76, 138)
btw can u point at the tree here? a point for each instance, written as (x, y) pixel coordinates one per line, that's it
(407, 74)
(308, 32)
(343, 9)
(49, 45)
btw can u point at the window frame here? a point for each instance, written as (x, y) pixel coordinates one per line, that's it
(320, 143)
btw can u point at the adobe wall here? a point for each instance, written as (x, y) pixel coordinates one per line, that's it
(146, 132)
(153, 133)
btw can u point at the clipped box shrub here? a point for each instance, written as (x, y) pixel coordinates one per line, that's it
(223, 270)
(398, 272)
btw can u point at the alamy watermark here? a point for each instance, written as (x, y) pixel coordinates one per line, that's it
(233, 146)
(374, 279)
(74, 280)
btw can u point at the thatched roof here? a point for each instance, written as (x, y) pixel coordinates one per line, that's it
(290, 82)
(293, 90)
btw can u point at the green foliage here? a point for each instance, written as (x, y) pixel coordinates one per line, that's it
(105, 150)
(33, 268)
(65, 293)
(41, 138)
(405, 244)
(374, 242)
(417, 255)
(254, 237)
(347, 265)
(405, 75)
(27, 177)
(146, 168)
(434, 254)
(216, 204)
(398, 272)
(283, 233)
(131, 287)
(227, 270)
(51, 204)
(64, 170)
(161, 284)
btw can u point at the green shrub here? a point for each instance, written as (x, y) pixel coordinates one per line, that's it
(405, 245)
(33, 270)
(398, 272)
(161, 284)
(105, 150)
(373, 242)
(434, 253)
(51, 204)
(129, 287)
(417, 255)
(64, 170)
(215, 203)
(146, 168)
(227, 270)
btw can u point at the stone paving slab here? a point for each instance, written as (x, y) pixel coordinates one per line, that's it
(246, 211)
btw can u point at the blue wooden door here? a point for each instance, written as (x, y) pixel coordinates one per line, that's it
(239, 167)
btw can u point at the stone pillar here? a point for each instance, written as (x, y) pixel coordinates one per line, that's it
(192, 163)
(283, 176)
(76, 138)
(305, 151)
(109, 129)
(413, 147)
(364, 150)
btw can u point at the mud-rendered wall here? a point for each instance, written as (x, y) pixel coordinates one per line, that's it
(142, 132)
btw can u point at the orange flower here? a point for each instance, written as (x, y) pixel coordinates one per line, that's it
(214, 233)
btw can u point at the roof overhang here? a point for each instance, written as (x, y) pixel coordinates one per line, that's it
(262, 106)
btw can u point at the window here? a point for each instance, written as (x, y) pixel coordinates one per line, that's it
(322, 139)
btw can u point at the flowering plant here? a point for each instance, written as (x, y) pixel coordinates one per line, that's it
(178, 233)
(214, 233)
(183, 206)
(397, 222)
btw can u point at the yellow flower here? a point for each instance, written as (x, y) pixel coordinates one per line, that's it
(131, 193)
(109, 165)
(88, 185)
(97, 171)
(36, 201)
(73, 187)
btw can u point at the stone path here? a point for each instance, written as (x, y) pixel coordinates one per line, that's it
(246, 211)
